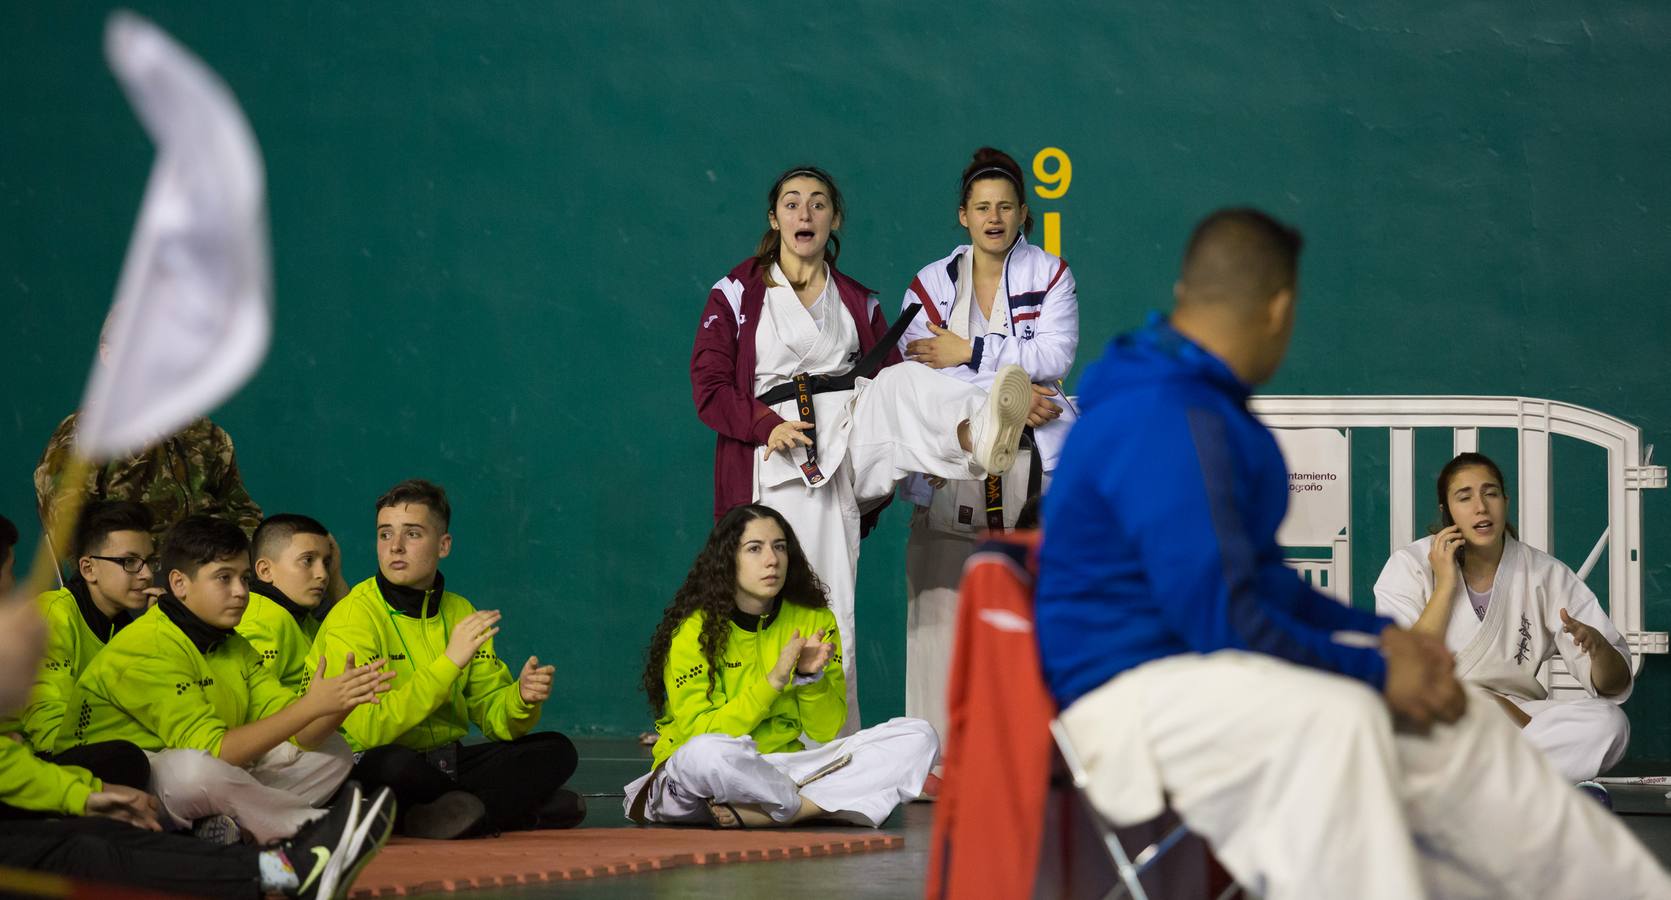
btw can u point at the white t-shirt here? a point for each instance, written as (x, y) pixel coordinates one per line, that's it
(1480, 601)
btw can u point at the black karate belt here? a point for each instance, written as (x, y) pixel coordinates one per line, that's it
(803, 387)
(864, 368)
(995, 484)
(803, 406)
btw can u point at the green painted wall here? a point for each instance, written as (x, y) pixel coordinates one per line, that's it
(494, 226)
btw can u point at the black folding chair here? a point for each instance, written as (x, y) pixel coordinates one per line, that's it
(1130, 868)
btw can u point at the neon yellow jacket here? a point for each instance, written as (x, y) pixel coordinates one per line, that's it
(743, 701)
(29, 782)
(431, 701)
(70, 647)
(284, 644)
(152, 688)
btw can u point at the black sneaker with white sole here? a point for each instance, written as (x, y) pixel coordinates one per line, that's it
(329, 853)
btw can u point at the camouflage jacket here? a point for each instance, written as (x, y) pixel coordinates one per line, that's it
(193, 471)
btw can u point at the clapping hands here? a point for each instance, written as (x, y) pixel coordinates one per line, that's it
(800, 656)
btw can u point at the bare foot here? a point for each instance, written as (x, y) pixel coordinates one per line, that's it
(739, 815)
(744, 815)
(808, 810)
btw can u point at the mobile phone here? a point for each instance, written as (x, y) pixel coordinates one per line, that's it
(1445, 521)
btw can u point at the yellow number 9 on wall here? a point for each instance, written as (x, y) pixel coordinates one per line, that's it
(1052, 167)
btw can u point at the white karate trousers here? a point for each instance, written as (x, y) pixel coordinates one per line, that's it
(934, 561)
(1580, 738)
(903, 421)
(271, 799)
(890, 762)
(1298, 781)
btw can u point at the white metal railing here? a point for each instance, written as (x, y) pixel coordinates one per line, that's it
(1629, 472)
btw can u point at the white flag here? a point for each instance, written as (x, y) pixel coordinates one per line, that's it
(193, 311)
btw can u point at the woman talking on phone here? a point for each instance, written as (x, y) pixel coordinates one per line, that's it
(1504, 609)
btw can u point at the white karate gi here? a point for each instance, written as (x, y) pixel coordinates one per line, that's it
(1297, 779)
(890, 762)
(1522, 630)
(271, 799)
(903, 421)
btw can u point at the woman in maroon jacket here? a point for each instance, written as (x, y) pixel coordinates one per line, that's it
(782, 369)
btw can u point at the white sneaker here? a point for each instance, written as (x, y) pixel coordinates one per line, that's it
(995, 430)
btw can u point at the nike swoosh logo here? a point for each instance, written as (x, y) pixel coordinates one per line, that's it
(321, 856)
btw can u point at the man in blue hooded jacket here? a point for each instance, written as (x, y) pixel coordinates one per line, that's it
(1321, 750)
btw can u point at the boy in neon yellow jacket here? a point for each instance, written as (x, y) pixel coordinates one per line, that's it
(297, 569)
(106, 779)
(447, 677)
(180, 683)
(343, 841)
(32, 787)
(747, 657)
(115, 562)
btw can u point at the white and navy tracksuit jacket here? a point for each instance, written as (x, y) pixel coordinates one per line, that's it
(1042, 308)
(1038, 298)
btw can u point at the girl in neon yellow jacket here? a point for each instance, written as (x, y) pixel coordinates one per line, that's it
(747, 659)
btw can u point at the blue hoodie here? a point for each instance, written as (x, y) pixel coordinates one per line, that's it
(1160, 528)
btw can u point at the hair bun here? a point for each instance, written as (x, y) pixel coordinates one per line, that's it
(991, 161)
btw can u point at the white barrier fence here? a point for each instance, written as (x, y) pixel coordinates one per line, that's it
(1316, 438)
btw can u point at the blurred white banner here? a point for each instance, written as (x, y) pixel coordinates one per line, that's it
(192, 317)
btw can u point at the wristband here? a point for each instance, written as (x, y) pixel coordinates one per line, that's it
(801, 679)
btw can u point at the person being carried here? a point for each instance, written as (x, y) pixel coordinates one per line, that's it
(230, 747)
(1322, 751)
(447, 676)
(1505, 609)
(298, 570)
(746, 659)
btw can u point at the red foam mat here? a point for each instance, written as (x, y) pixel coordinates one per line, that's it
(408, 866)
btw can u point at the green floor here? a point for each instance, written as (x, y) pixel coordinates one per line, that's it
(606, 765)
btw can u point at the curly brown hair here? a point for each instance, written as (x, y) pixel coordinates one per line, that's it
(711, 589)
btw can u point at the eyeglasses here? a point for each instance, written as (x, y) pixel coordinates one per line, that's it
(131, 564)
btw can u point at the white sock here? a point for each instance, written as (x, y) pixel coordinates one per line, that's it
(276, 872)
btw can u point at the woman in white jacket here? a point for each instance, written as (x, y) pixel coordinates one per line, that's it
(993, 302)
(1504, 609)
